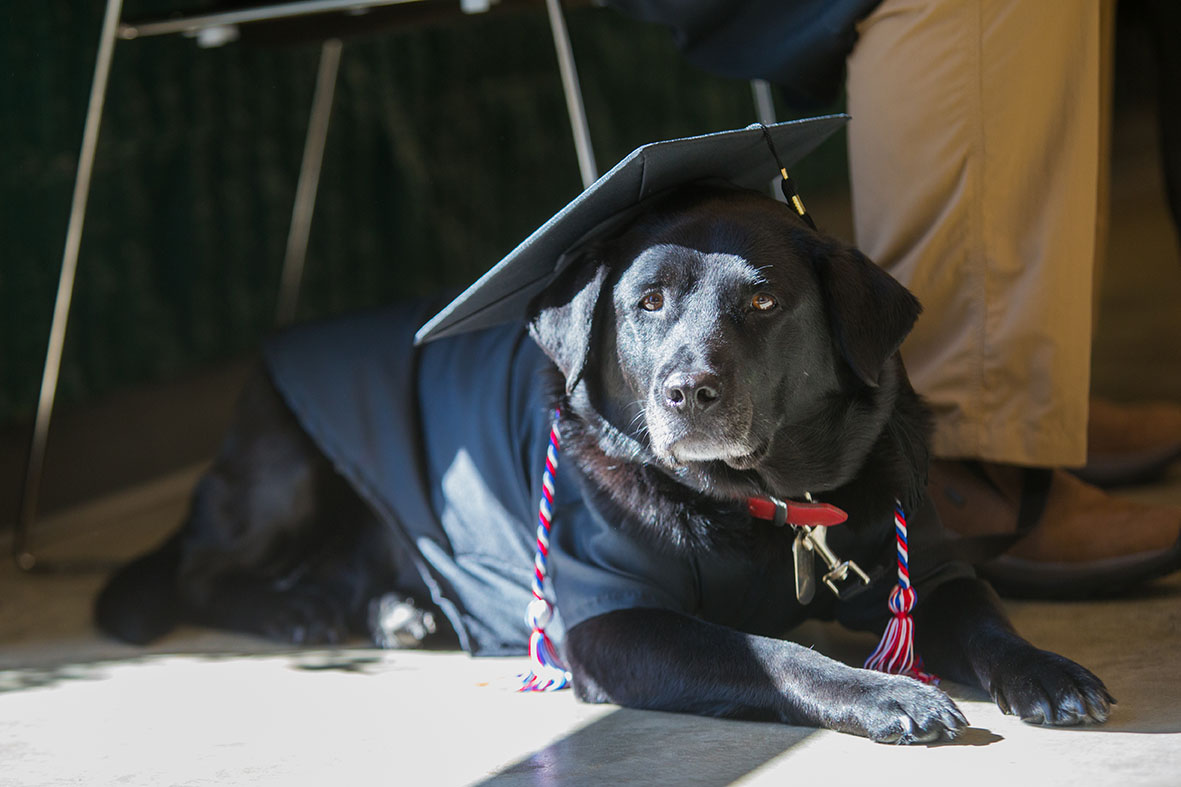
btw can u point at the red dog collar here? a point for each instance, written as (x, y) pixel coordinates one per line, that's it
(789, 512)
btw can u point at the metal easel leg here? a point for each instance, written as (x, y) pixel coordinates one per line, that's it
(65, 288)
(574, 105)
(309, 181)
(764, 101)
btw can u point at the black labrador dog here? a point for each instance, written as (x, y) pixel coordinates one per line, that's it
(713, 351)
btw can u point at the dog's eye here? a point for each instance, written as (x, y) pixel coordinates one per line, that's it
(763, 302)
(652, 302)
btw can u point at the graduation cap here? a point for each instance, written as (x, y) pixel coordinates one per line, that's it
(748, 158)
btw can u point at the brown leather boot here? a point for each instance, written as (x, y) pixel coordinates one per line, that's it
(1130, 443)
(1046, 534)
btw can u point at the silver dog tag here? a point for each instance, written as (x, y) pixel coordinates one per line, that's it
(805, 565)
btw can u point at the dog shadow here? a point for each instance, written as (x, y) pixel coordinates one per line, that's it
(970, 736)
(617, 747)
(625, 743)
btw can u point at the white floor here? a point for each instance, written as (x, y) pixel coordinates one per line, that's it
(206, 708)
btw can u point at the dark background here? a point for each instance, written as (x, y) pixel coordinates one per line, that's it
(448, 144)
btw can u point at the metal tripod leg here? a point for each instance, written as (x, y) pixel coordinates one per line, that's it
(309, 181)
(764, 102)
(65, 287)
(574, 105)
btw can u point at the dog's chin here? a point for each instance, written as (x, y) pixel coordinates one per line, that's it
(748, 461)
(739, 456)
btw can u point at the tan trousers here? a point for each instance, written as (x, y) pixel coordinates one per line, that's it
(975, 151)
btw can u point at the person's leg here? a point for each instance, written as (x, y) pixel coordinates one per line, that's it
(974, 152)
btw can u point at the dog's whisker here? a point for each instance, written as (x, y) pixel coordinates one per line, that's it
(639, 417)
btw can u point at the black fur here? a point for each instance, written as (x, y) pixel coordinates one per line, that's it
(715, 349)
(275, 544)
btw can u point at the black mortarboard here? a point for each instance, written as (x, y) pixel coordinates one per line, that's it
(749, 158)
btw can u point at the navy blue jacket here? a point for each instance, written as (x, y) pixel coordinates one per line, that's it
(446, 442)
(800, 45)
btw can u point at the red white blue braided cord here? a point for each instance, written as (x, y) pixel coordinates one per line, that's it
(895, 653)
(548, 672)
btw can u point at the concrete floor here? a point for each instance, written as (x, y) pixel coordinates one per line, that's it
(205, 707)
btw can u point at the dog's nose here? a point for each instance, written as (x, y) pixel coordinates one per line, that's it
(689, 391)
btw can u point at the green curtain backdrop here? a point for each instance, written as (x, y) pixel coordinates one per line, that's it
(448, 145)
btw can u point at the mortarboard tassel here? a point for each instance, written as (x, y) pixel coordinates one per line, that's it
(787, 185)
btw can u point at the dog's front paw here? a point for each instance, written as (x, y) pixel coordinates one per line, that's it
(897, 709)
(1044, 688)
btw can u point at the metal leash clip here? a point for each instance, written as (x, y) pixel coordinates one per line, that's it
(840, 572)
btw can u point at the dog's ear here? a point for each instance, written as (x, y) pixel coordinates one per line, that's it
(562, 317)
(870, 312)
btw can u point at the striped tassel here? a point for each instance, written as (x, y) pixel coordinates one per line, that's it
(548, 673)
(895, 653)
